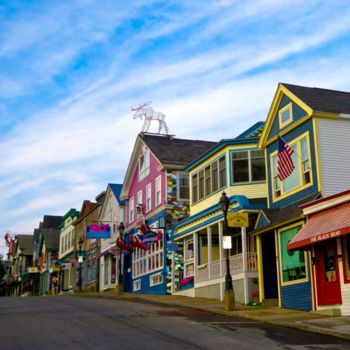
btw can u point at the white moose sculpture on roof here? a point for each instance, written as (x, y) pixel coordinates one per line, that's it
(149, 114)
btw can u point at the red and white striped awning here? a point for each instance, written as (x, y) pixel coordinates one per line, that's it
(326, 224)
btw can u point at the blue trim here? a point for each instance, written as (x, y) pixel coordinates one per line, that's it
(116, 190)
(221, 144)
(252, 130)
(243, 201)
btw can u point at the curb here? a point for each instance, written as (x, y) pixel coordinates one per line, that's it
(239, 314)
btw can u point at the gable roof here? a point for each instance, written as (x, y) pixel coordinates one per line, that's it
(51, 238)
(251, 135)
(116, 189)
(25, 243)
(86, 209)
(323, 100)
(315, 101)
(52, 221)
(172, 151)
(169, 151)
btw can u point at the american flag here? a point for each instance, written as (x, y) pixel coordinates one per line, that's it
(285, 164)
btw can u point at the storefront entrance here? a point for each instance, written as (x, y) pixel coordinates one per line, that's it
(327, 274)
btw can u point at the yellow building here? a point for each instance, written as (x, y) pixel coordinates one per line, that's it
(235, 166)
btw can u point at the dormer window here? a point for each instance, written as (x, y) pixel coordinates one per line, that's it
(144, 163)
(285, 115)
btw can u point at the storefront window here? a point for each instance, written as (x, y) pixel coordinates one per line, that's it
(293, 261)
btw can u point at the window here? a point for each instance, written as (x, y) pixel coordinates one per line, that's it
(346, 258)
(293, 261)
(285, 115)
(144, 164)
(155, 280)
(209, 180)
(207, 183)
(131, 209)
(188, 258)
(139, 198)
(183, 189)
(222, 172)
(145, 261)
(248, 166)
(158, 190)
(136, 285)
(301, 175)
(194, 188)
(148, 197)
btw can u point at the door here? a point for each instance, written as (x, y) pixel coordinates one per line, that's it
(327, 273)
(269, 265)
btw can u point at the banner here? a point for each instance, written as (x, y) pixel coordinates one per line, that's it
(98, 231)
(237, 219)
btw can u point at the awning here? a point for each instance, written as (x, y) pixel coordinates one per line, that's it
(327, 224)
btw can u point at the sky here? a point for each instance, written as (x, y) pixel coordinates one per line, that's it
(71, 70)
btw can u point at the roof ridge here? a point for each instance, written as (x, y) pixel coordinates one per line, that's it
(315, 88)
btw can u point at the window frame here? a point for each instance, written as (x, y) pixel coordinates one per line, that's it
(250, 168)
(306, 256)
(179, 186)
(144, 168)
(139, 198)
(289, 108)
(148, 201)
(195, 184)
(131, 209)
(301, 186)
(158, 190)
(154, 276)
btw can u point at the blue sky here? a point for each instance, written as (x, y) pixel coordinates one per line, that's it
(71, 70)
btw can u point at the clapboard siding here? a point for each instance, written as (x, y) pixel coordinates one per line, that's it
(334, 143)
(298, 113)
(297, 296)
(307, 126)
(345, 292)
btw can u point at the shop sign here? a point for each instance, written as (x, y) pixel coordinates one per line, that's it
(98, 231)
(237, 219)
(172, 246)
(66, 266)
(33, 269)
(227, 242)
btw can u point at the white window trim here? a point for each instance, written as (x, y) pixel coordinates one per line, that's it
(178, 186)
(152, 277)
(147, 159)
(135, 283)
(148, 196)
(158, 189)
(131, 209)
(281, 111)
(139, 198)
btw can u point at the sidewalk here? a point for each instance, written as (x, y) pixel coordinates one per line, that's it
(307, 321)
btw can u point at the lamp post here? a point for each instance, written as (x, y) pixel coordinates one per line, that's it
(121, 229)
(229, 298)
(80, 258)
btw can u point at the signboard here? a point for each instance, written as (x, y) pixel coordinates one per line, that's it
(227, 242)
(172, 246)
(80, 259)
(237, 219)
(98, 231)
(66, 266)
(32, 269)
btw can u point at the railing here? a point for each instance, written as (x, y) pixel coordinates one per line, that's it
(202, 273)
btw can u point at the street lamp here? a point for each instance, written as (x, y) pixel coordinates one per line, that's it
(229, 298)
(121, 229)
(80, 260)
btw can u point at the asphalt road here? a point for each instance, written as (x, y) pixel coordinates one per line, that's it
(87, 323)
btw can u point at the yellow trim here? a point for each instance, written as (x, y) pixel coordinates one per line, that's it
(278, 268)
(317, 154)
(299, 188)
(260, 269)
(289, 108)
(281, 90)
(328, 115)
(267, 180)
(303, 280)
(275, 227)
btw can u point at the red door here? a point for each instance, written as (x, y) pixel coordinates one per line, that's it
(327, 274)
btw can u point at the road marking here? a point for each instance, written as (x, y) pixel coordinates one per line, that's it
(237, 322)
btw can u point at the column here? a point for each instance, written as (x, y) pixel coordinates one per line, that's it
(209, 251)
(195, 251)
(221, 250)
(172, 272)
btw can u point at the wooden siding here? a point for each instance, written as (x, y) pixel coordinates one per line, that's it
(249, 190)
(307, 126)
(345, 291)
(298, 113)
(298, 296)
(334, 143)
(262, 221)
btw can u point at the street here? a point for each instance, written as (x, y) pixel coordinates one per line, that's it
(91, 323)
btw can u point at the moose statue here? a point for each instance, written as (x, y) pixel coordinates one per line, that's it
(148, 113)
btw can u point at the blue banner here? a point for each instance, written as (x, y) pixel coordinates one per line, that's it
(98, 231)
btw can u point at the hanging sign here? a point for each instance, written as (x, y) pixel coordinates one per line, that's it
(66, 266)
(237, 219)
(227, 242)
(33, 269)
(172, 246)
(98, 231)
